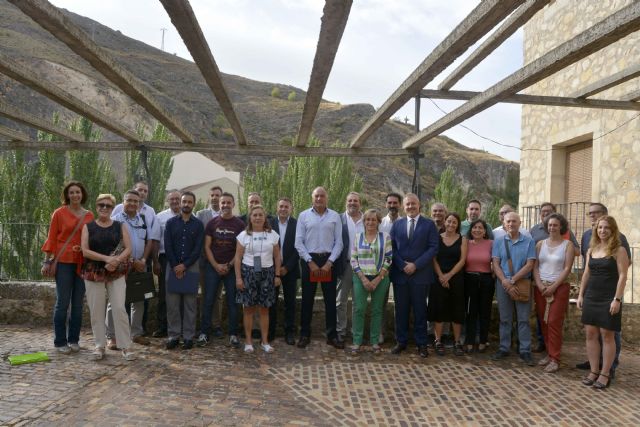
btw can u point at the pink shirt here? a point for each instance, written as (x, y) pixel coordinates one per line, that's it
(479, 256)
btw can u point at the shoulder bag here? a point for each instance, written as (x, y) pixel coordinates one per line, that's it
(523, 285)
(49, 267)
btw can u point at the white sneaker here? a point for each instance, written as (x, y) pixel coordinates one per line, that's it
(98, 353)
(248, 348)
(75, 347)
(267, 348)
(128, 355)
(65, 349)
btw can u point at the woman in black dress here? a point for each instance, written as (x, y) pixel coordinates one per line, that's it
(446, 298)
(600, 297)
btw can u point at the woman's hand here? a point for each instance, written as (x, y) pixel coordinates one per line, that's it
(549, 290)
(239, 284)
(614, 308)
(580, 301)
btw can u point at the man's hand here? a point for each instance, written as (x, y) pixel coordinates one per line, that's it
(139, 266)
(409, 268)
(179, 270)
(327, 267)
(283, 271)
(221, 269)
(313, 267)
(157, 269)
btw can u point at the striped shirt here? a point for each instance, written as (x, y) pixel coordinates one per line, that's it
(368, 257)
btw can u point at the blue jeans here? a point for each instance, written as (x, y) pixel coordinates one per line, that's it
(211, 282)
(69, 289)
(523, 310)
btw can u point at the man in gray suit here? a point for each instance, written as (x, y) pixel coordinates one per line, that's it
(205, 215)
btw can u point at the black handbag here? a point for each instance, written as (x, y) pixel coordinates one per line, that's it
(140, 286)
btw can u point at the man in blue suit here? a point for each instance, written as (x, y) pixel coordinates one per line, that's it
(415, 243)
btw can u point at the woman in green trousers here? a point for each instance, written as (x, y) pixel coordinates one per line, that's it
(370, 259)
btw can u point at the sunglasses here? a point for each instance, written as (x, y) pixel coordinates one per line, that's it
(105, 206)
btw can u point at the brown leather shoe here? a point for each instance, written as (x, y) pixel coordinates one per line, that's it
(141, 340)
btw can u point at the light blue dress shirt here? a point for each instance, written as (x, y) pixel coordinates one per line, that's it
(317, 233)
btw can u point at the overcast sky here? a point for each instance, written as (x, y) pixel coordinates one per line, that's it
(384, 41)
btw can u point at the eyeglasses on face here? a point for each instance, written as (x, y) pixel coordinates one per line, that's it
(105, 206)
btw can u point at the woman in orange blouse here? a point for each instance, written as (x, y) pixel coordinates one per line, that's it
(68, 259)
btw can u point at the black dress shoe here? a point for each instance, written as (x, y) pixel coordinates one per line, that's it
(187, 345)
(290, 339)
(160, 333)
(303, 342)
(423, 351)
(398, 348)
(172, 343)
(336, 342)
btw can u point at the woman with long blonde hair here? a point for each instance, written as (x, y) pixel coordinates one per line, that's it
(600, 298)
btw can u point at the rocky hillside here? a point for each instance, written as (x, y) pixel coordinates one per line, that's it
(267, 120)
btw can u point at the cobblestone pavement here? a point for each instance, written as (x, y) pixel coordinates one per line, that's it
(319, 385)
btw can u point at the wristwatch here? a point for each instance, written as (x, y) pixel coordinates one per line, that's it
(617, 299)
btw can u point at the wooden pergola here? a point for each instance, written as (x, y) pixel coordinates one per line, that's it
(487, 15)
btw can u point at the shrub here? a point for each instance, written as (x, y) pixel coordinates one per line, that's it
(275, 92)
(291, 96)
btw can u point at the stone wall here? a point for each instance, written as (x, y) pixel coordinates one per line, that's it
(616, 153)
(31, 303)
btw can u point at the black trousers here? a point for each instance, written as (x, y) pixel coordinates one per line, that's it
(161, 314)
(479, 289)
(308, 296)
(289, 288)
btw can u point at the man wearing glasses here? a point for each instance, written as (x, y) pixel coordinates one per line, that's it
(597, 211)
(141, 248)
(500, 231)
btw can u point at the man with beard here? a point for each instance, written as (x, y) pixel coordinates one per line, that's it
(183, 245)
(220, 247)
(205, 215)
(173, 199)
(351, 224)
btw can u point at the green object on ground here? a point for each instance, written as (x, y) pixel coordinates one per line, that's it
(21, 359)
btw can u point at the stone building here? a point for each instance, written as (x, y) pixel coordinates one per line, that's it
(587, 154)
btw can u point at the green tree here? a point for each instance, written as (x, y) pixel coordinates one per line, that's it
(298, 179)
(159, 169)
(291, 96)
(275, 92)
(451, 193)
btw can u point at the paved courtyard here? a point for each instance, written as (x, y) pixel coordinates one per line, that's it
(319, 385)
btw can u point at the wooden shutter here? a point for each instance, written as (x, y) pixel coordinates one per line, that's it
(578, 172)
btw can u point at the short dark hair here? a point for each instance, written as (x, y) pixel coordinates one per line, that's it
(65, 192)
(396, 195)
(603, 207)
(285, 199)
(548, 204)
(134, 192)
(225, 194)
(216, 187)
(457, 217)
(189, 193)
(474, 201)
(141, 181)
(473, 224)
(564, 224)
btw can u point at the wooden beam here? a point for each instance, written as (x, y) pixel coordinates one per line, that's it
(185, 21)
(557, 101)
(609, 82)
(24, 75)
(270, 151)
(53, 20)
(616, 26)
(12, 134)
(510, 26)
(478, 23)
(334, 21)
(36, 122)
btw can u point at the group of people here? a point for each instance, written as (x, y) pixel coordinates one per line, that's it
(443, 270)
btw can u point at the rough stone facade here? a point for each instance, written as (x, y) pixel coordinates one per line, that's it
(615, 135)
